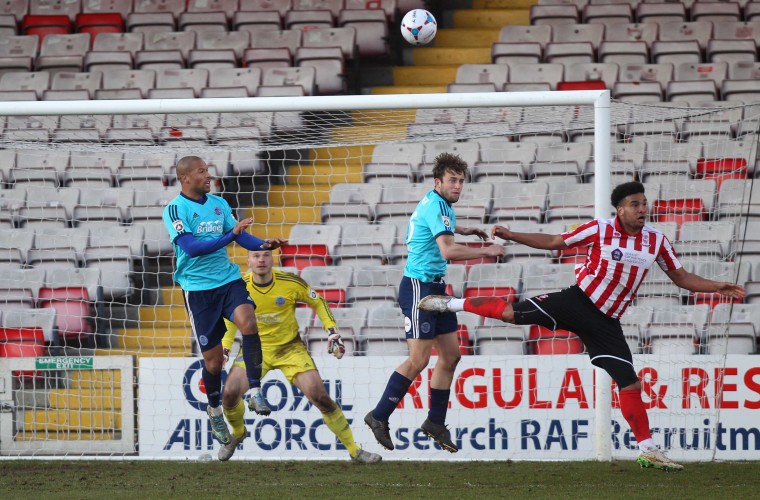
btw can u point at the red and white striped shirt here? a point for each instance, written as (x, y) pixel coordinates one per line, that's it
(617, 262)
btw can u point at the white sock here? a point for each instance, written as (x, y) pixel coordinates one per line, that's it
(216, 411)
(455, 305)
(647, 445)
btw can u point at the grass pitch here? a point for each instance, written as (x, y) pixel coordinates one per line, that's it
(141, 479)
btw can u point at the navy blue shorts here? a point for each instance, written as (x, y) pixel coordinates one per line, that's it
(423, 324)
(208, 308)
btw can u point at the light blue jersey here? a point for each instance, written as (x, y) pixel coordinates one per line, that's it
(205, 220)
(433, 217)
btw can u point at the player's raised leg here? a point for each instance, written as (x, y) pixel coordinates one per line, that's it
(489, 307)
(311, 384)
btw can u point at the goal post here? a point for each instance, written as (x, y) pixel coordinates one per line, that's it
(341, 172)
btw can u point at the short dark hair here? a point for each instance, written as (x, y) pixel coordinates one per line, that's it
(623, 190)
(448, 162)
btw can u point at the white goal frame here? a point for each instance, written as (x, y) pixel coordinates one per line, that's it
(600, 99)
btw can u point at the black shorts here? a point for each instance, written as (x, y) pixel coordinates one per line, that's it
(571, 309)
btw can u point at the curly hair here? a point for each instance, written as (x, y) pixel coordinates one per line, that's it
(448, 162)
(623, 190)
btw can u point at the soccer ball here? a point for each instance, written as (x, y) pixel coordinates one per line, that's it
(418, 27)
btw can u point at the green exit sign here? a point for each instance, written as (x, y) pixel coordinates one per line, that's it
(64, 363)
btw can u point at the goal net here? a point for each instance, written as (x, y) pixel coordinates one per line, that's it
(98, 357)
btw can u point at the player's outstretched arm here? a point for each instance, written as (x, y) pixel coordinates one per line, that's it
(451, 250)
(195, 247)
(696, 283)
(470, 231)
(534, 240)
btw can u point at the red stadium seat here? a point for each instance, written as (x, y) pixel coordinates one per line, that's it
(72, 305)
(22, 342)
(679, 211)
(593, 85)
(45, 25)
(99, 23)
(720, 169)
(335, 297)
(559, 341)
(301, 256)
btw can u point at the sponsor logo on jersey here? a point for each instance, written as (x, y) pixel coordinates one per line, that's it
(195, 215)
(645, 239)
(178, 226)
(203, 340)
(617, 254)
(210, 227)
(280, 301)
(407, 324)
(217, 211)
(446, 221)
(312, 294)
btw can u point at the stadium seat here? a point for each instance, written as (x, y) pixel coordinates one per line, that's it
(541, 278)
(45, 25)
(375, 285)
(706, 11)
(500, 340)
(699, 31)
(62, 52)
(544, 341)
(244, 21)
(494, 280)
(363, 245)
(733, 338)
(504, 53)
(660, 13)
(383, 341)
(308, 19)
(589, 76)
(289, 39)
(73, 312)
(672, 339)
(537, 73)
(540, 34)
(554, 14)
(151, 22)
(22, 341)
(623, 52)
(519, 201)
(351, 202)
(310, 245)
(569, 53)
(371, 30)
(329, 68)
(36, 319)
(331, 282)
(18, 53)
(97, 23)
(646, 32)
(676, 52)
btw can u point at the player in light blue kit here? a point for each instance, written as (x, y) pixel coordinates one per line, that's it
(430, 244)
(200, 226)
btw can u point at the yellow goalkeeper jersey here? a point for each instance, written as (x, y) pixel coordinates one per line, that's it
(275, 308)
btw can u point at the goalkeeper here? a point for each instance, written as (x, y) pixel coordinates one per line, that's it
(276, 293)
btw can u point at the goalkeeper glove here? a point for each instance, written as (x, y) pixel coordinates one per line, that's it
(335, 345)
(226, 354)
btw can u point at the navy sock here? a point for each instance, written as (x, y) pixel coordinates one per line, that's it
(213, 384)
(439, 404)
(252, 357)
(394, 392)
